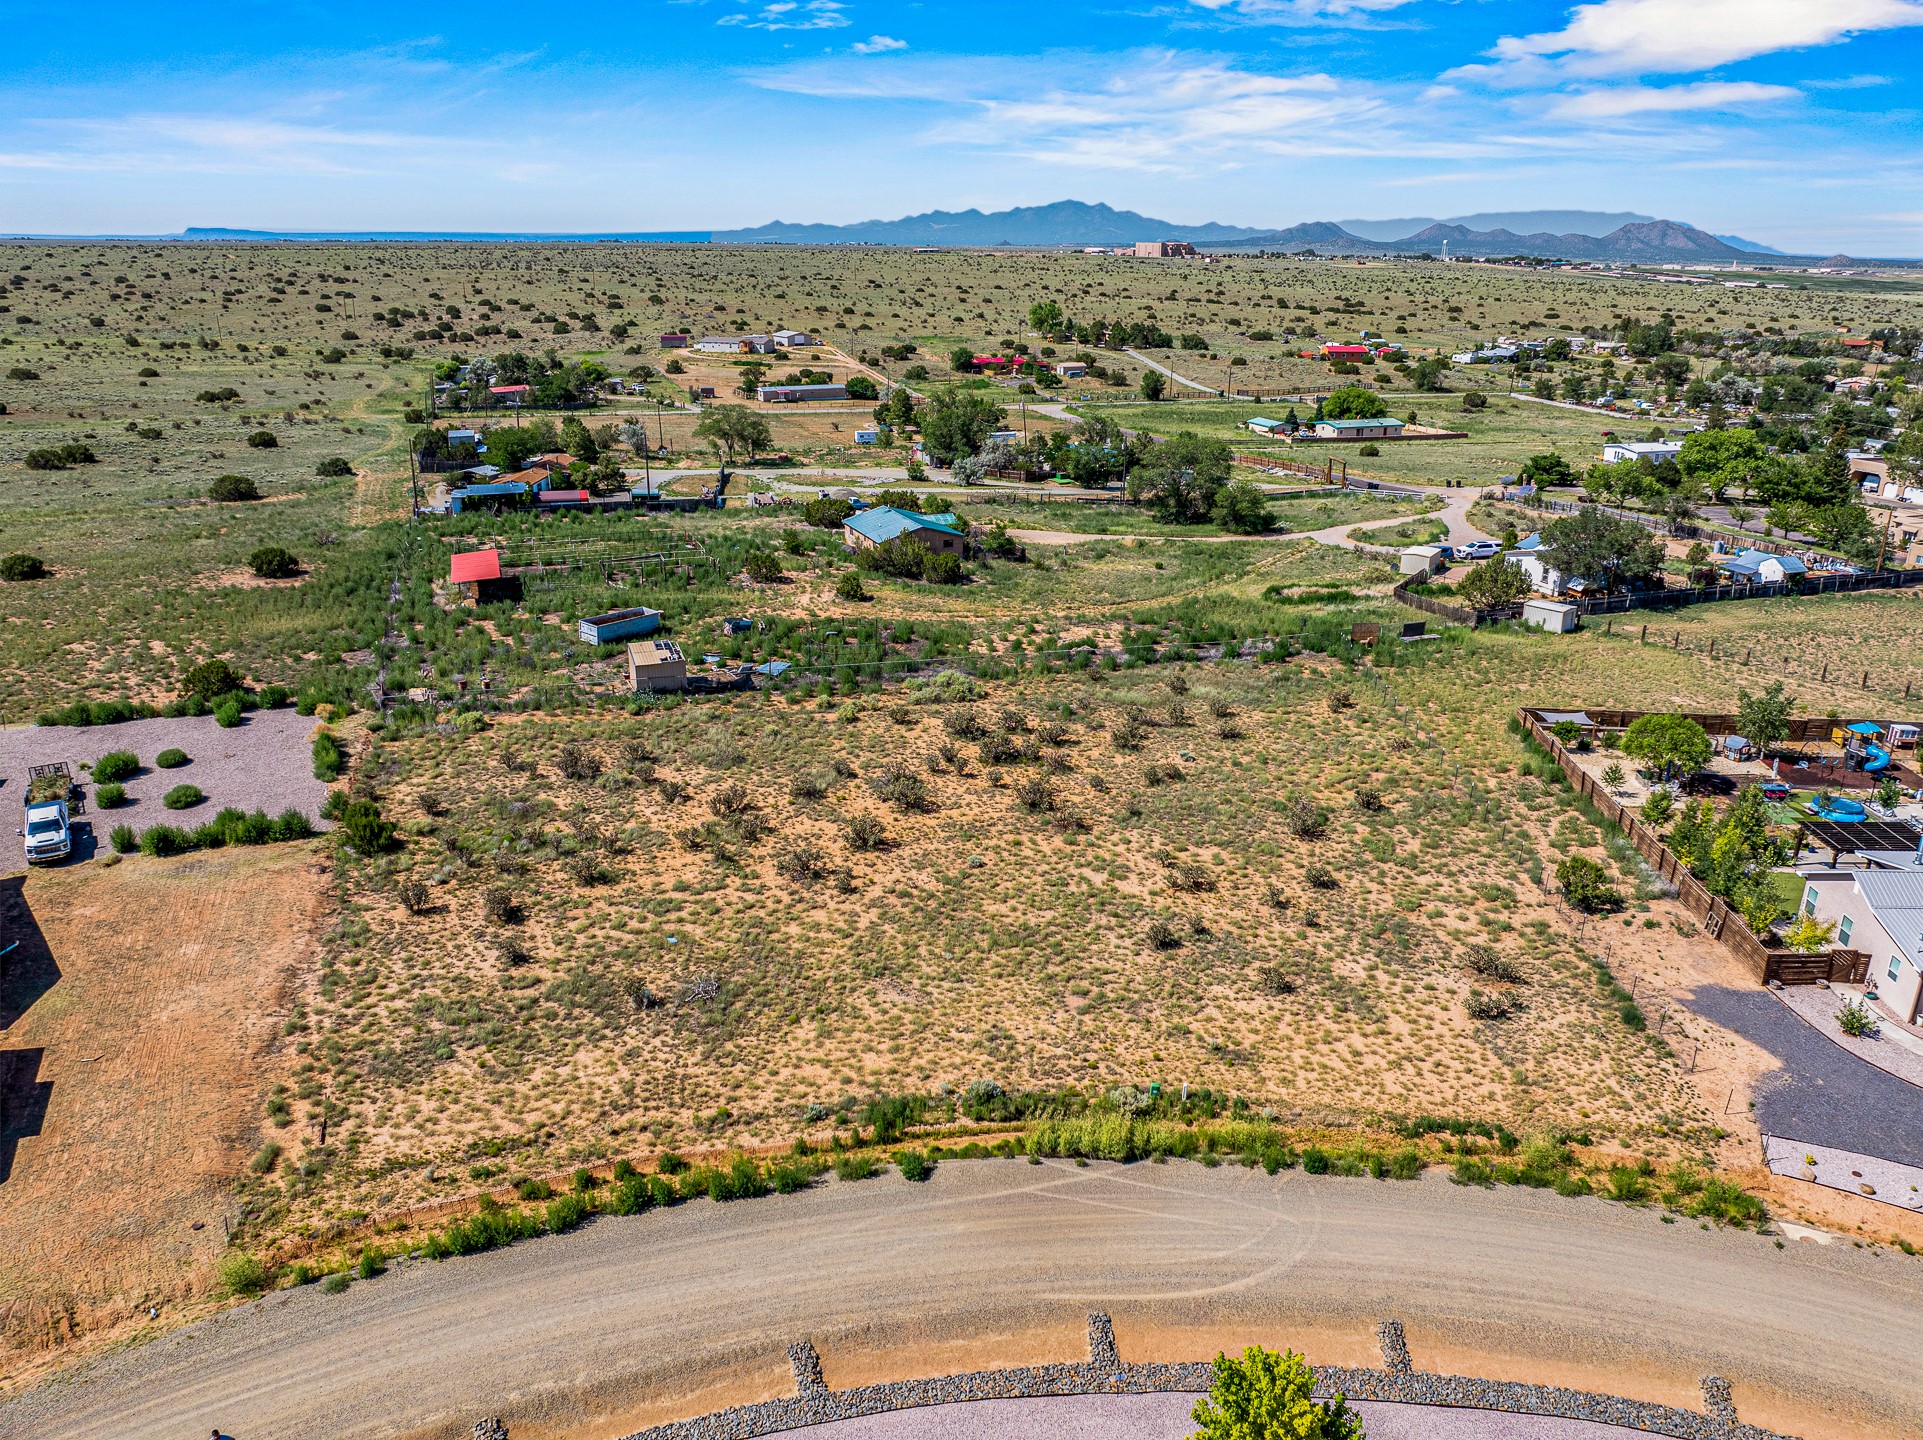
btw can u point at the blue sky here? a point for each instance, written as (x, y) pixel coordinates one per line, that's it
(1789, 121)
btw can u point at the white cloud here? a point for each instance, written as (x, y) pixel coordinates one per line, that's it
(791, 15)
(1614, 102)
(877, 45)
(1299, 12)
(1667, 37)
(1849, 82)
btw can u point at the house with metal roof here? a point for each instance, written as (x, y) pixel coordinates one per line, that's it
(888, 522)
(1382, 428)
(1618, 451)
(796, 394)
(1759, 567)
(1877, 910)
(498, 494)
(1262, 425)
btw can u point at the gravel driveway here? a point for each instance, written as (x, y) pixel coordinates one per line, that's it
(1822, 1094)
(1166, 1417)
(264, 763)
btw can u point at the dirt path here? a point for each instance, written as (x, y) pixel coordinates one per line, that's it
(993, 1262)
(1455, 512)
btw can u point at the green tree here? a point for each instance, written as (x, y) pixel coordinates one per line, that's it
(1665, 742)
(366, 831)
(734, 428)
(1180, 478)
(1549, 469)
(579, 441)
(512, 446)
(1763, 719)
(1595, 545)
(826, 513)
(1427, 373)
(1721, 460)
(1241, 509)
(958, 422)
(961, 359)
(274, 562)
(1045, 316)
(752, 374)
(1585, 884)
(1266, 1396)
(1154, 385)
(1494, 583)
(1354, 402)
(210, 680)
(1846, 529)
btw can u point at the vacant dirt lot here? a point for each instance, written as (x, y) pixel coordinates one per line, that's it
(142, 1009)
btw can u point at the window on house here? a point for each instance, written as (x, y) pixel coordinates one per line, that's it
(1896, 965)
(1843, 930)
(1809, 901)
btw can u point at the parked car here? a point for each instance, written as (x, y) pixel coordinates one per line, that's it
(47, 833)
(1478, 550)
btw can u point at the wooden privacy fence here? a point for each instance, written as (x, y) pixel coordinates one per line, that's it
(1454, 614)
(1720, 920)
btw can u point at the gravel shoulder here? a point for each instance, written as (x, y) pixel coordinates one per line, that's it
(630, 1322)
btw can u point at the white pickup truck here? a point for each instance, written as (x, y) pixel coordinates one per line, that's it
(49, 837)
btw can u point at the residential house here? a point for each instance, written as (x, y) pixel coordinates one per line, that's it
(795, 394)
(1335, 351)
(510, 394)
(888, 522)
(1877, 909)
(1654, 451)
(1759, 567)
(1543, 575)
(497, 495)
(1071, 369)
(1262, 425)
(1383, 428)
(719, 344)
(1163, 249)
(655, 665)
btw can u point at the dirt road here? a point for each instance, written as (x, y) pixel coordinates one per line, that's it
(992, 1262)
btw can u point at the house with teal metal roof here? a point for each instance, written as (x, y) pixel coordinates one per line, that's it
(888, 522)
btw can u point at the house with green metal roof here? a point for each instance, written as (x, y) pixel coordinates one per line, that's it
(888, 522)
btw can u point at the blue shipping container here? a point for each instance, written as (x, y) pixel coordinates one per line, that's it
(620, 625)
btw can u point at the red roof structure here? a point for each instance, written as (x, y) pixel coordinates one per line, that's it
(564, 497)
(474, 566)
(509, 389)
(1347, 352)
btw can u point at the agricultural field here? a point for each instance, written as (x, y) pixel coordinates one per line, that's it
(1175, 827)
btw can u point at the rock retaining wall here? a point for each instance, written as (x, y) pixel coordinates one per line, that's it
(1106, 1373)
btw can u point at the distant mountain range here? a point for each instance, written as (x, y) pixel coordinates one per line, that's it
(1558, 234)
(1066, 222)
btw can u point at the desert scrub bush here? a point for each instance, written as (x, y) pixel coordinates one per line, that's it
(1339, 700)
(265, 1158)
(1585, 884)
(170, 759)
(902, 788)
(576, 762)
(116, 765)
(1035, 794)
(1189, 876)
(493, 1226)
(964, 724)
(1275, 980)
(849, 587)
(866, 832)
(183, 797)
(1484, 961)
(1630, 1184)
(1303, 818)
(228, 489)
(801, 864)
(21, 567)
(274, 562)
(1128, 733)
(110, 796)
(730, 799)
(1320, 877)
(414, 895)
(364, 828)
(856, 1167)
(328, 758)
(1490, 1005)
(123, 840)
(241, 1274)
(914, 1165)
(1369, 800)
(228, 713)
(762, 566)
(1275, 897)
(811, 786)
(499, 905)
(1471, 1171)
(1162, 935)
(263, 440)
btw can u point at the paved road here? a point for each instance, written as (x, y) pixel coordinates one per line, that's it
(632, 1321)
(1822, 1094)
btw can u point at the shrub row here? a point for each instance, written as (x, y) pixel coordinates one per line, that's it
(230, 827)
(118, 712)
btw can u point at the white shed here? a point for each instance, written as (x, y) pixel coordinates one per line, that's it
(1424, 560)
(1550, 615)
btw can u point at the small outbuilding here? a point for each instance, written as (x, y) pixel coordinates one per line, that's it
(1424, 560)
(619, 625)
(1551, 615)
(475, 575)
(656, 665)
